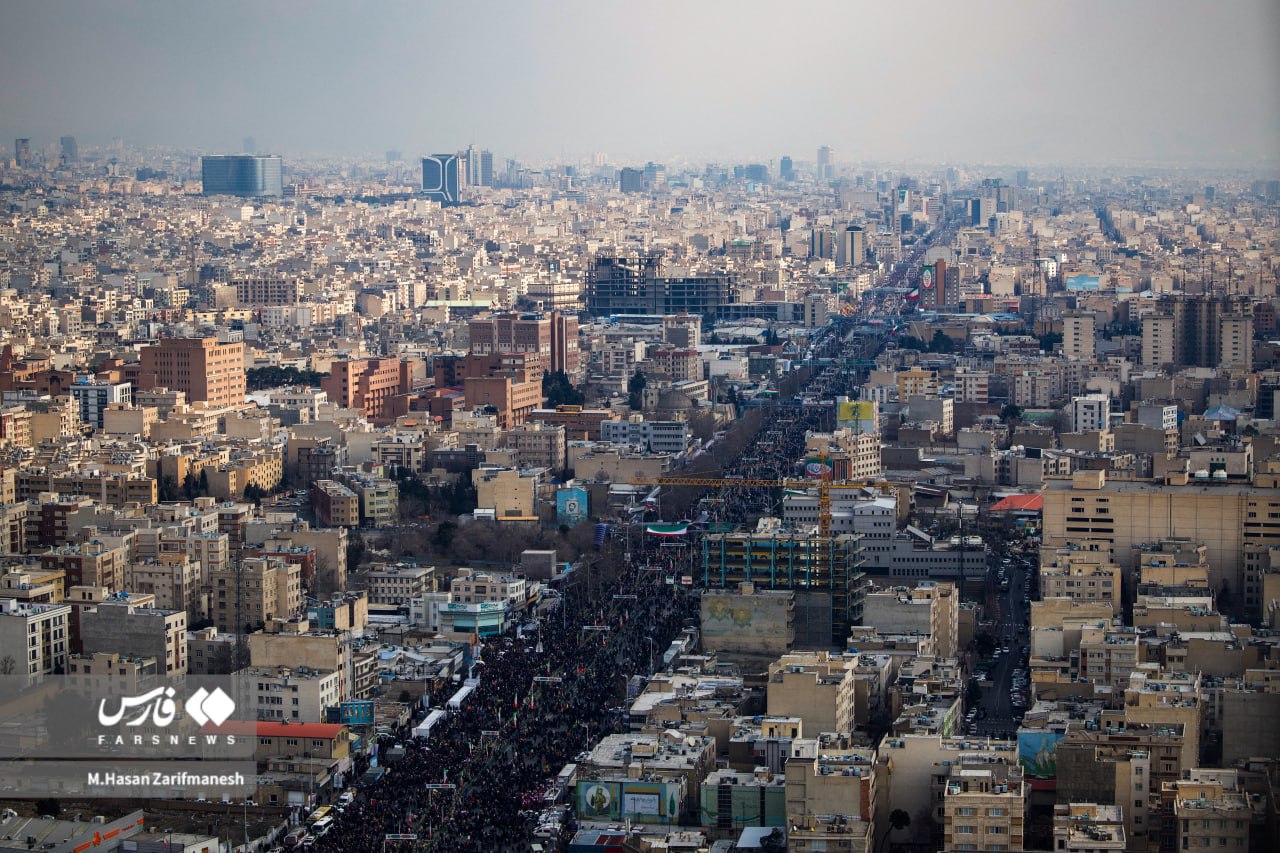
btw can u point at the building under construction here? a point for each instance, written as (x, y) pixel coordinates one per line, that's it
(825, 572)
(636, 284)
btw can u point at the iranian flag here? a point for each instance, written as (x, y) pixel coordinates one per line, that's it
(667, 529)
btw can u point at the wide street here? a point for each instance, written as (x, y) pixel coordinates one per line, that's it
(997, 714)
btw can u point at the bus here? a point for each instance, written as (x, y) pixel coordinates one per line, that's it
(320, 814)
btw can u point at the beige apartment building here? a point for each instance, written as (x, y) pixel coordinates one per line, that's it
(1211, 811)
(1228, 518)
(505, 491)
(293, 694)
(1088, 828)
(838, 785)
(538, 445)
(1081, 575)
(335, 505)
(261, 590)
(983, 807)
(814, 686)
(930, 608)
(398, 584)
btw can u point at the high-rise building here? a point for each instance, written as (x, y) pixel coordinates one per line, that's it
(1078, 342)
(202, 368)
(553, 337)
(853, 247)
(22, 152)
(244, 175)
(826, 167)
(636, 285)
(441, 178)
(93, 398)
(479, 166)
(631, 180)
(655, 175)
(70, 151)
(250, 145)
(393, 156)
(786, 169)
(365, 384)
(1199, 331)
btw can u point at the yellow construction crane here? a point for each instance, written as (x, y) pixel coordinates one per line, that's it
(824, 489)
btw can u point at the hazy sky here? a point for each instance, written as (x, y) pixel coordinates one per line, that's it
(1114, 81)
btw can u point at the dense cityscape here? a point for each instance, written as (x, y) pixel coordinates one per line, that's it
(472, 502)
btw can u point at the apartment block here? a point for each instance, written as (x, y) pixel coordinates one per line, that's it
(120, 626)
(296, 694)
(335, 505)
(984, 807)
(259, 589)
(817, 687)
(203, 369)
(398, 584)
(34, 638)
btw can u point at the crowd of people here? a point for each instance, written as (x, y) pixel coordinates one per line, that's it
(542, 699)
(546, 696)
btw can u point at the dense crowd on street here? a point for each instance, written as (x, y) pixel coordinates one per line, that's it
(515, 733)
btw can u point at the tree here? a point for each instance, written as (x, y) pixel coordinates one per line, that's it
(355, 551)
(774, 842)
(559, 391)
(1010, 413)
(442, 539)
(941, 343)
(8, 665)
(169, 489)
(48, 807)
(910, 342)
(635, 388)
(898, 820)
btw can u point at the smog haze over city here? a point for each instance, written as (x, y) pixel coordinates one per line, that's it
(584, 426)
(1148, 82)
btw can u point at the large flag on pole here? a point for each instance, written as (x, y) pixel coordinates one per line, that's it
(667, 529)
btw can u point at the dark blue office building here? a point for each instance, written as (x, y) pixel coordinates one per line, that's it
(246, 175)
(440, 178)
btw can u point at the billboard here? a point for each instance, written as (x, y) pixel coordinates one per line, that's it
(1082, 282)
(862, 411)
(571, 505)
(356, 713)
(817, 469)
(619, 800)
(1038, 753)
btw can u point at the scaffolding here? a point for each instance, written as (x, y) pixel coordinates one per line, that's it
(791, 561)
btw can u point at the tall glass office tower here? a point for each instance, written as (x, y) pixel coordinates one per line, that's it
(440, 178)
(245, 175)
